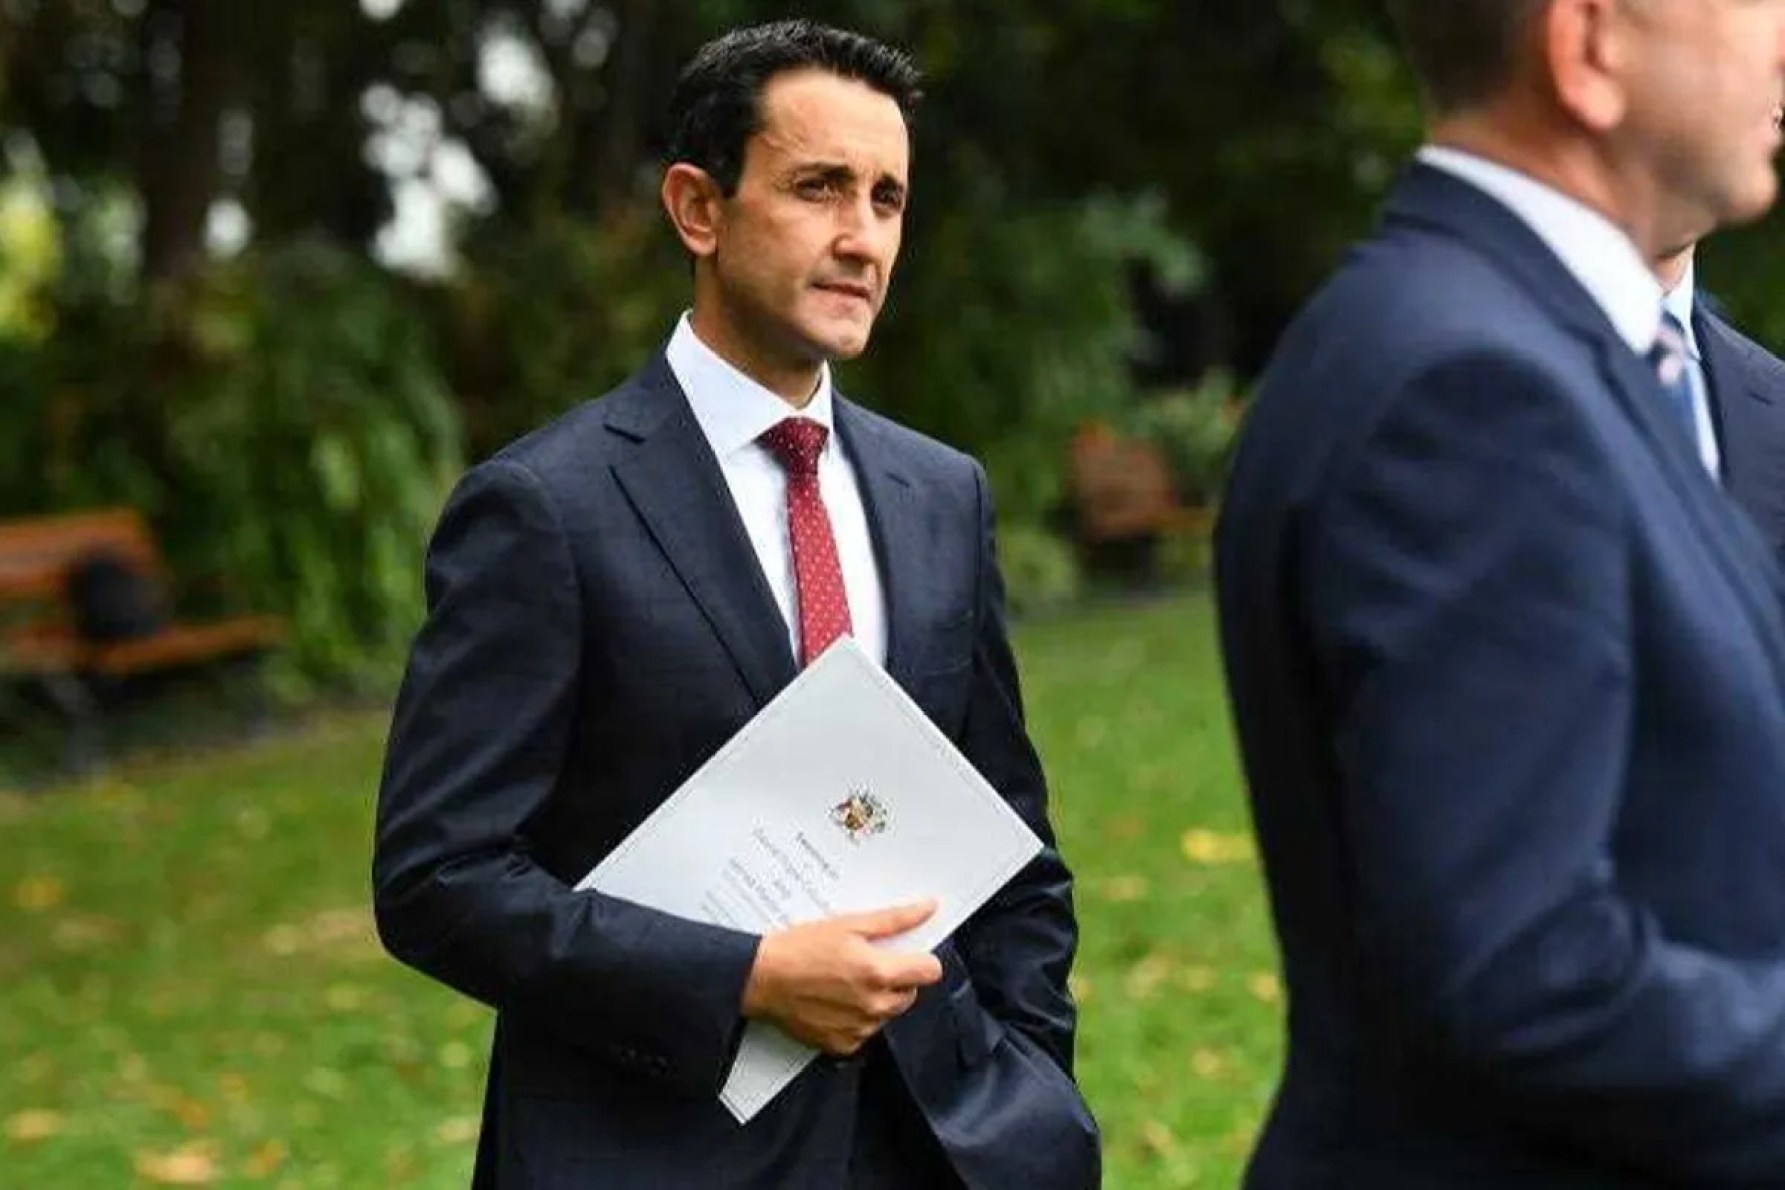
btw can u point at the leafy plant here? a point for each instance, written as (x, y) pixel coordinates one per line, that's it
(1195, 429)
(312, 450)
(280, 419)
(547, 316)
(1041, 570)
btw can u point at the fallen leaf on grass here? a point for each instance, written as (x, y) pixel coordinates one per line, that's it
(85, 932)
(1265, 986)
(327, 1082)
(193, 1113)
(1145, 977)
(29, 1127)
(458, 1130)
(1208, 847)
(190, 1165)
(1160, 1139)
(466, 1014)
(34, 894)
(266, 1159)
(1125, 830)
(1239, 1142)
(345, 997)
(1196, 979)
(1123, 890)
(333, 930)
(1208, 1063)
(235, 1089)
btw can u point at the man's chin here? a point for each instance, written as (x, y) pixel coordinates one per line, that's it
(1752, 201)
(843, 345)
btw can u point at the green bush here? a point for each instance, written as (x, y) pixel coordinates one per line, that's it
(543, 318)
(1195, 429)
(280, 420)
(311, 451)
(22, 421)
(1041, 571)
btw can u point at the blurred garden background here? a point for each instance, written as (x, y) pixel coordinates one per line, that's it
(272, 272)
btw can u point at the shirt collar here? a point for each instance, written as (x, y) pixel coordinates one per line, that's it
(1591, 247)
(733, 410)
(1679, 302)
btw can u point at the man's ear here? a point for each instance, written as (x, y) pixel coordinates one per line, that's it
(1586, 49)
(694, 204)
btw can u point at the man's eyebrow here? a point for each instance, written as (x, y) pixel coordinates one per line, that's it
(840, 172)
(829, 171)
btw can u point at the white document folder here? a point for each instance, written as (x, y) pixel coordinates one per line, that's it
(839, 797)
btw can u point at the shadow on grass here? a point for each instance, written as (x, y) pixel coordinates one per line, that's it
(146, 719)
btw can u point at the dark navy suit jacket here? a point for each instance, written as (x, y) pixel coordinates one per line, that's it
(598, 626)
(1747, 385)
(1508, 671)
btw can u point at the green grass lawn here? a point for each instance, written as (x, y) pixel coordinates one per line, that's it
(191, 992)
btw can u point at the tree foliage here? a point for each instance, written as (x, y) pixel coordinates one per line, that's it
(1109, 194)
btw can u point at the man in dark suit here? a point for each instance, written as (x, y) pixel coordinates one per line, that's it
(614, 596)
(1507, 666)
(1740, 396)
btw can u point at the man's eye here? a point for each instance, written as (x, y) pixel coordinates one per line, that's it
(813, 188)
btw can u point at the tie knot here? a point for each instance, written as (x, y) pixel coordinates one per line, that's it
(797, 442)
(1669, 353)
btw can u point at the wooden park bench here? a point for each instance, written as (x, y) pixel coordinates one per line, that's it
(1122, 491)
(41, 638)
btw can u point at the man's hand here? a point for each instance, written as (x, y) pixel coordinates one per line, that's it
(826, 984)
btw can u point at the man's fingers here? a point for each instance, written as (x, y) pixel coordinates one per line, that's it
(886, 923)
(894, 1004)
(902, 971)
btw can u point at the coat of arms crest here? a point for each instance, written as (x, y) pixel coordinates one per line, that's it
(861, 815)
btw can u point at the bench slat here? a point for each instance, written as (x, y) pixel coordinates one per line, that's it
(36, 556)
(60, 651)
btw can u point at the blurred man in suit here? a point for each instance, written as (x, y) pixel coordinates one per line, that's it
(1738, 394)
(614, 596)
(1507, 666)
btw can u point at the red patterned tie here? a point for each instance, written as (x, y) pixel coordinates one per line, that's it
(824, 604)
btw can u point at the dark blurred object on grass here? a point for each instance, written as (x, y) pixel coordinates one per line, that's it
(86, 599)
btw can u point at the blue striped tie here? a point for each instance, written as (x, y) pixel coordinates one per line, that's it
(1673, 369)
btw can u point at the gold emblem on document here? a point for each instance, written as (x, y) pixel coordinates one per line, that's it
(861, 815)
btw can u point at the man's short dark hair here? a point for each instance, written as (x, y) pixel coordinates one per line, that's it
(717, 104)
(1463, 51)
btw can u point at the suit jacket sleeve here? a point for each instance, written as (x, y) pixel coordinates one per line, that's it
(1018, 948)
(1470, 591)
(482, 726)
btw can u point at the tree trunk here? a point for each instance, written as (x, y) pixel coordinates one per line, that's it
(178, 171)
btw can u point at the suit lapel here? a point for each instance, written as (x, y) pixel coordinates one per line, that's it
(1432, 198)
(675, 484)
(895, 521)
(1741, 556)
(1745, 420)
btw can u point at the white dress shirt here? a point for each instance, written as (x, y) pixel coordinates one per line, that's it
(1604, 260)
(734, 411)
(1679, 303)
(1591, 247)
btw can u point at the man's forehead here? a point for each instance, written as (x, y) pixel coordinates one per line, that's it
(821, 115)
